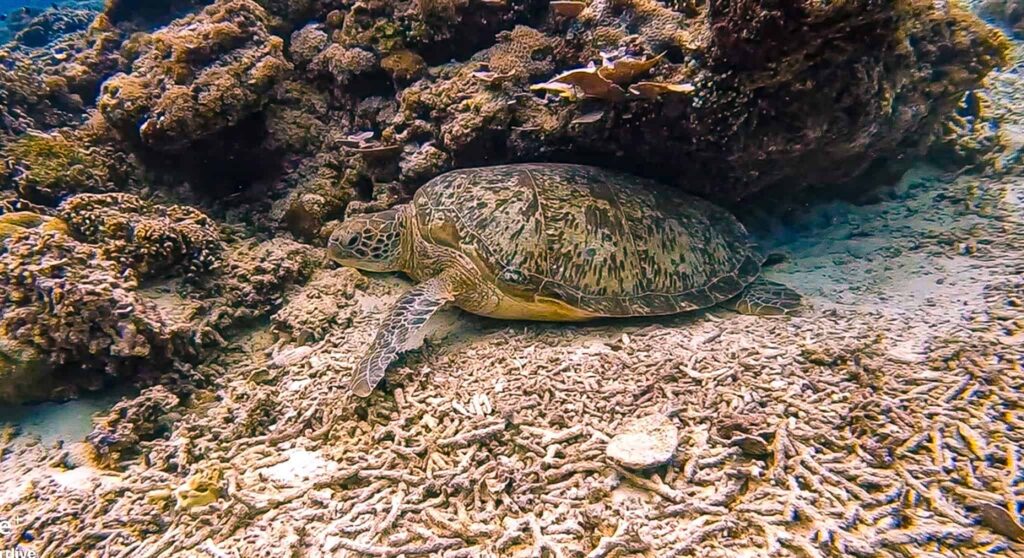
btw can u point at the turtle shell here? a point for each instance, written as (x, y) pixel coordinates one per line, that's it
(601, 241)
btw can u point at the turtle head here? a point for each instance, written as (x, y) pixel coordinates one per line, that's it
(372, 241)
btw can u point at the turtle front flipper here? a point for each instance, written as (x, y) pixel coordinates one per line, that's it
(407, 316)
(765, 298)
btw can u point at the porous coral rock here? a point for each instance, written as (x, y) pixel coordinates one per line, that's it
(320, 306)
(146, 416)
(644, 442)
(306, 44)
(68, 313)
(148, 238)
(404, 65)
(342, 63)
(811, 94)
(51, 24)
(199, 75)
(253, 279)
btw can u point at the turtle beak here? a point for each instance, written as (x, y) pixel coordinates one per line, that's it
(334, 251)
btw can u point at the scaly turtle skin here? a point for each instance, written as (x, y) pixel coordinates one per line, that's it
(552, 242)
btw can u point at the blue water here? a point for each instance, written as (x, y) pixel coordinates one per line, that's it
(8, 6)
(11, 5)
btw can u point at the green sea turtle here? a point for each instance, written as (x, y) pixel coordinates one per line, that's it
(552, 242)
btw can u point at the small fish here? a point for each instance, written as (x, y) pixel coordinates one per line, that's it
(3, 17)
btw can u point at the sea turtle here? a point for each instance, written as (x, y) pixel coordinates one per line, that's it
(552, 242)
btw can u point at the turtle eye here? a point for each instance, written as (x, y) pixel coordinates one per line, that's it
(352, 241)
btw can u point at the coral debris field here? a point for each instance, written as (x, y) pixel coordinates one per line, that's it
(172, 168)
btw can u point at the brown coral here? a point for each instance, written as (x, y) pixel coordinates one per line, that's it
(253, 278)
(320, 306)
(746, 96)
(150, 239)
(69, 310)
(199, 75)
(523, 51)
(46, 168)
(117, 434)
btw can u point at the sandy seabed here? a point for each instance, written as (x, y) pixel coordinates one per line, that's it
(883, 420)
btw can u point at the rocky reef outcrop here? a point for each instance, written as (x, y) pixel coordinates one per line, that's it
(207, 146)
(197, 76)
(79, 305)
(69, 314)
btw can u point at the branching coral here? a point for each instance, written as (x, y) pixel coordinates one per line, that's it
(197, 76)
(68, 309)
(149, 239)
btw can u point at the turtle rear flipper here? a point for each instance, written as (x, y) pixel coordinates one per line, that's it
(765, 298)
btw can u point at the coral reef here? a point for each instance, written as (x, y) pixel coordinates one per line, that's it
(814, 436)
(48, 167)
(71, 316)
(971, 136)
(147, 12)
(197, 76)
(50, 24)
(43, 86)
(319, 307)
(75, 313)
(152, 240)
(725, 99)
(147, 416)
(879, 423)
(252, 280)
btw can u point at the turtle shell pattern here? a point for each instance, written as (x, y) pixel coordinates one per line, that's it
(601, 241)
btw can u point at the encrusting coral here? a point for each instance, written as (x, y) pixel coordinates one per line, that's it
(48, 167)
(252, 280)
(319, 307)
(724, 99)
